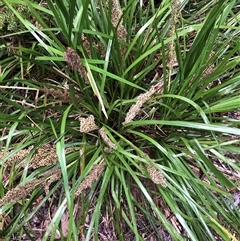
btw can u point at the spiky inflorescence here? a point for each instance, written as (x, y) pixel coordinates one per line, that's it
(50, 177)
(107, 140)
(171, 58)
(17, 156)
(141, 99)
(64, 97)
(90, 178)
(210, 69)
(45, 156)
(73, 61)
(19, 192)
(86, 45)
(87, 124)
(116, 19)
(156, 175)
(97, 45)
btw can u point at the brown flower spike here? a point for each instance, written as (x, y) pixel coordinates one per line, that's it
(73, 61)
(116, 19)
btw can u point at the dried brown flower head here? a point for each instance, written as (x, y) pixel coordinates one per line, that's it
(58, 94)
(73, 61)
(87, 124)
(116, 19)
(90, 178)
(107, 140)
(97, 45)
(86, 44)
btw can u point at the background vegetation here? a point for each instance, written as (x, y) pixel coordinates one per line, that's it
(119, 120)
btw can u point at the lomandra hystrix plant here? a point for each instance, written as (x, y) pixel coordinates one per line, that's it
(119, 115)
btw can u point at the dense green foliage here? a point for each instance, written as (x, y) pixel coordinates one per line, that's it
(174, 69)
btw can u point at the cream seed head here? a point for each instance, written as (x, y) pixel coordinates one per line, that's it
(156, 175)
(87, 124)
(141, 99)
(106, 139)
(17, 156)
(175, 15)
(90, 178)
(19, 192)
(45, 156)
